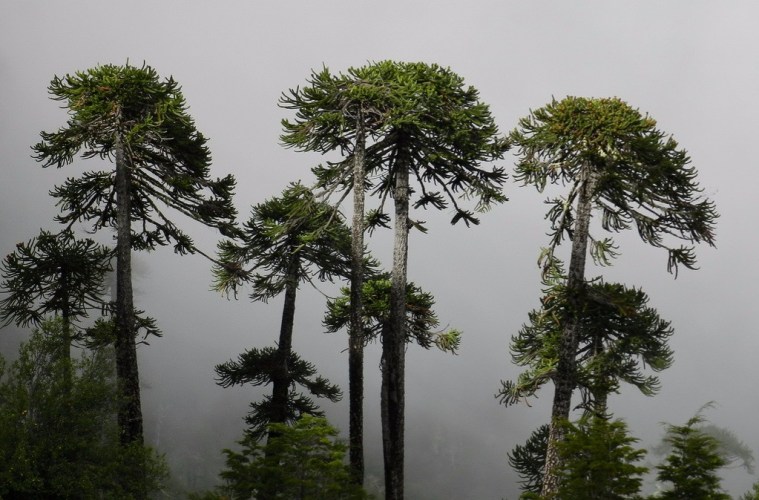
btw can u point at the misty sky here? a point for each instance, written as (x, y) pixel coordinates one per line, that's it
(692, 65)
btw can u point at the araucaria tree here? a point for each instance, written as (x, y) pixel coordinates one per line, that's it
(139, 124)
(276, 253)
(615, 162)
(53, 274)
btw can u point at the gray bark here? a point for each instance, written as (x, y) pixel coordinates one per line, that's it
(566, 371)
(356, 340)
(393, 347)
(130, 410)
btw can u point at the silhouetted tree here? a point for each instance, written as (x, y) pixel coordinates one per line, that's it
(54, 274)
(616, 161)
(281, 253)
(137, 121)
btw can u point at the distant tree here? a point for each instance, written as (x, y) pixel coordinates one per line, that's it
(692, 465)
(303, 461)
(616, 161)
(618, 336)
(599, 461)
(58, 432)
(753, 494)
(338, 112)
(276, 254)
(421, 320)
(54, 274)
(127, 115)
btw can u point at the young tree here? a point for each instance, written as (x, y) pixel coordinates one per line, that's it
(282, 253)
(692, 465)
(599, 461)
(616, 161)
(618, 336)
(54, 273)
(528, 460)
(130, 117)
(58, 434)
(303, 461)
(421, 320)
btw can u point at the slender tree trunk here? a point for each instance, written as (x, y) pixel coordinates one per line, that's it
(130, 410)
(356, 340)
(393, 347)
(281, 380)
(565, 379)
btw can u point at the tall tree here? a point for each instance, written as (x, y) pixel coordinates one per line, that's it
(275, 254)
(130, 117)
(338, 112)
(54, 273)
(615, 161)
(437, 132)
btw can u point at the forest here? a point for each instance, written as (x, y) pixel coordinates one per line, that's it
(398, 138)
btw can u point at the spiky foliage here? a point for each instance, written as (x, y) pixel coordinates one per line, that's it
(529, 459)
(257, 366)
(130, 107)
(277, 252)
(619, 335)
(271, 239)
(643, 179)
(139, 123)
(692, 464)
(53, 274)
(613, 160)
(600, 461)
(421, 323)
(303, 461)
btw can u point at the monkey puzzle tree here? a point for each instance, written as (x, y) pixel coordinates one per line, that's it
(421, 320)
(282, 253)
(338, 112)
(614, 160)
(53, 273)
(139, 123)
(436, 131)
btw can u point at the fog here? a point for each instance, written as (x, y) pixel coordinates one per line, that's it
(692, 65)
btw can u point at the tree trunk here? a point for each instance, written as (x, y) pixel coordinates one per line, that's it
(566, 371)
(130, 410)
(393, 346)
(356, 330)
(281, 380)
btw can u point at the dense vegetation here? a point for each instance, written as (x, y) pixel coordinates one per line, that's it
(411, 133)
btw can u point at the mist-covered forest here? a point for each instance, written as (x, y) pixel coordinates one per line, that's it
(380, 273)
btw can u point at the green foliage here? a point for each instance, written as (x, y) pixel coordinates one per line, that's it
(598, 461)
(299, 461)
(528, 460)
(421, 320)
(418, 117)
(58, 435)
(618, 336)
(293, 225)
(257, 367)
(643, 179)
(53, 273)
(753, 494)
(692, 465)
(167, 157)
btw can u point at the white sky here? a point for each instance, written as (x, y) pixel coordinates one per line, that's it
(693, 65)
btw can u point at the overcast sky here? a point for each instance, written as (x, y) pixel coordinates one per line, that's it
(692, 65)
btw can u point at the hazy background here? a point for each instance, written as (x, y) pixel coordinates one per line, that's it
(693, 65)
